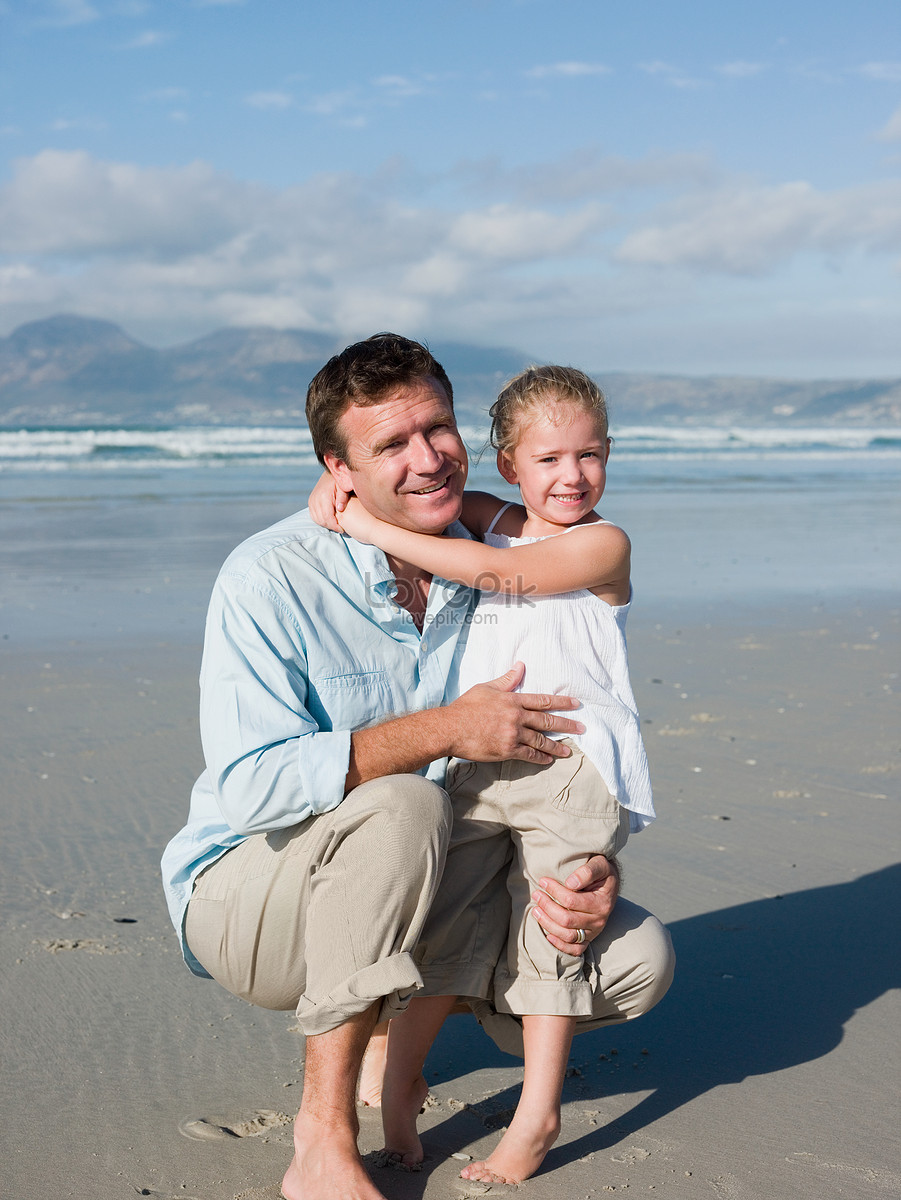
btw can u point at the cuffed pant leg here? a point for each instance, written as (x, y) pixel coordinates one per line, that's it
(323, 917)
(560, 815)
(630, 968)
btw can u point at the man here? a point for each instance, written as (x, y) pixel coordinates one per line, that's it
(317, 833)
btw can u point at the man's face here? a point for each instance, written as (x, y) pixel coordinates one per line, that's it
(405, 461)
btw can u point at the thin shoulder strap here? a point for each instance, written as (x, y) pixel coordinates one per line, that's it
(497, 516)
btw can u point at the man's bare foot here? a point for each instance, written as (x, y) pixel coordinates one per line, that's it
(401, 1105)
(520, 1153)
(326, 1165)
(372, 1072)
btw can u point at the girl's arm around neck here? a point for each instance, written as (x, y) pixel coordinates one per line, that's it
(479, 510)
(596, 557)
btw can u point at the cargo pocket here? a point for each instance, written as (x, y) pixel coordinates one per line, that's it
(574, 786)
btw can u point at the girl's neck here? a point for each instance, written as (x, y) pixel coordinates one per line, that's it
(518, 521)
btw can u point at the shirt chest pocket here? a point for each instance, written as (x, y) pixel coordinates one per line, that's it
(357, 699)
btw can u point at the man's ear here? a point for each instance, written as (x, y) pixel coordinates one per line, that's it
(506, 467)
(339, 471)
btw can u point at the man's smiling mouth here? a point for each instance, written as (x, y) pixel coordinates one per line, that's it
(432, 487)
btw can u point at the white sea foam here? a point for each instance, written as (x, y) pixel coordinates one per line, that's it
(216, 446)
(127, 449)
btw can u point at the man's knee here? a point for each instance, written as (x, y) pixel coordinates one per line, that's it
(654, 973)
(638, 960)
(405, 811)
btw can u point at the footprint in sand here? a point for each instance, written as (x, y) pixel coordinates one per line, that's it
(202, 1129)
(882, 1180)
(631, 1155)
(724, 1186)
(90, 945)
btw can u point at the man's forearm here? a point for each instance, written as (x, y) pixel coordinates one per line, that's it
(399, 746)
(489, 723)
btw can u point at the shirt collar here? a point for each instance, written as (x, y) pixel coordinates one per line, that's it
(372, 563)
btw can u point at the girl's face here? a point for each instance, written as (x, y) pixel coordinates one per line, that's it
(559, 464)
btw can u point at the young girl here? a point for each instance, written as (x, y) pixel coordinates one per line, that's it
(558, 604)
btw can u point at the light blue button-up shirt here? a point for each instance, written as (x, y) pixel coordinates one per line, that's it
(304, 644)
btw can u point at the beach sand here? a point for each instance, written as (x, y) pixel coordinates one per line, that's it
(770, 1070)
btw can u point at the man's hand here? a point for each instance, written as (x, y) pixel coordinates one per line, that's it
(492, 723)
(585, 901)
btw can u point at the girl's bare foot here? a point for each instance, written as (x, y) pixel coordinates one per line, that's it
(401, 1104)
(372, 1072)
(520, 1153)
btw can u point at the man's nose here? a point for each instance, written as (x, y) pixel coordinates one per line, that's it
(424, 458)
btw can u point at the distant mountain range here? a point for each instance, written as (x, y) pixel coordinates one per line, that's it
(69, 370)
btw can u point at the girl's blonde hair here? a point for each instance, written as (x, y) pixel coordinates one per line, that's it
(533, 388)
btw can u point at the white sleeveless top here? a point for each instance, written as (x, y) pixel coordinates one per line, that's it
(572, 644)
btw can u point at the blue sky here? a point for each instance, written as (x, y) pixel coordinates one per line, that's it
(693, 187)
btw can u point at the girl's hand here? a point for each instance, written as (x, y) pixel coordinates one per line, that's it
(356, 521)
(327, 501)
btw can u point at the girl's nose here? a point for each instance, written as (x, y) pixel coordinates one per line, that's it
(572, 470)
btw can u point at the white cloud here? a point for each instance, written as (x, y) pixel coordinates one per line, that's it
(339, 251)
(330, 104)
(587, 173)
(61, 14)
(883, 72)
(72, 205)
(538, 256)
(147, 40)
(671, 75)
(74, 124)
(505, 232)
(891, 131)
(567, 70)
(753, 230)
(166, 95)
(399, 85)
(269, 100)
(741, 70)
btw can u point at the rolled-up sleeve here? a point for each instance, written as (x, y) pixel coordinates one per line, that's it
(271, 764)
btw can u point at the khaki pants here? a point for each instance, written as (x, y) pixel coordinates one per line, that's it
(515, 823)
(323, 917)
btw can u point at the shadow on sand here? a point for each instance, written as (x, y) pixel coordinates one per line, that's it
(759, 987)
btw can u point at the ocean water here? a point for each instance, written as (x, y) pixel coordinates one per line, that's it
(119, 533)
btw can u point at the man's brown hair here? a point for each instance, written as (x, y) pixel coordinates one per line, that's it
(364, 374)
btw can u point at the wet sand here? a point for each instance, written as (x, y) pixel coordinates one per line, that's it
(770, 1070)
